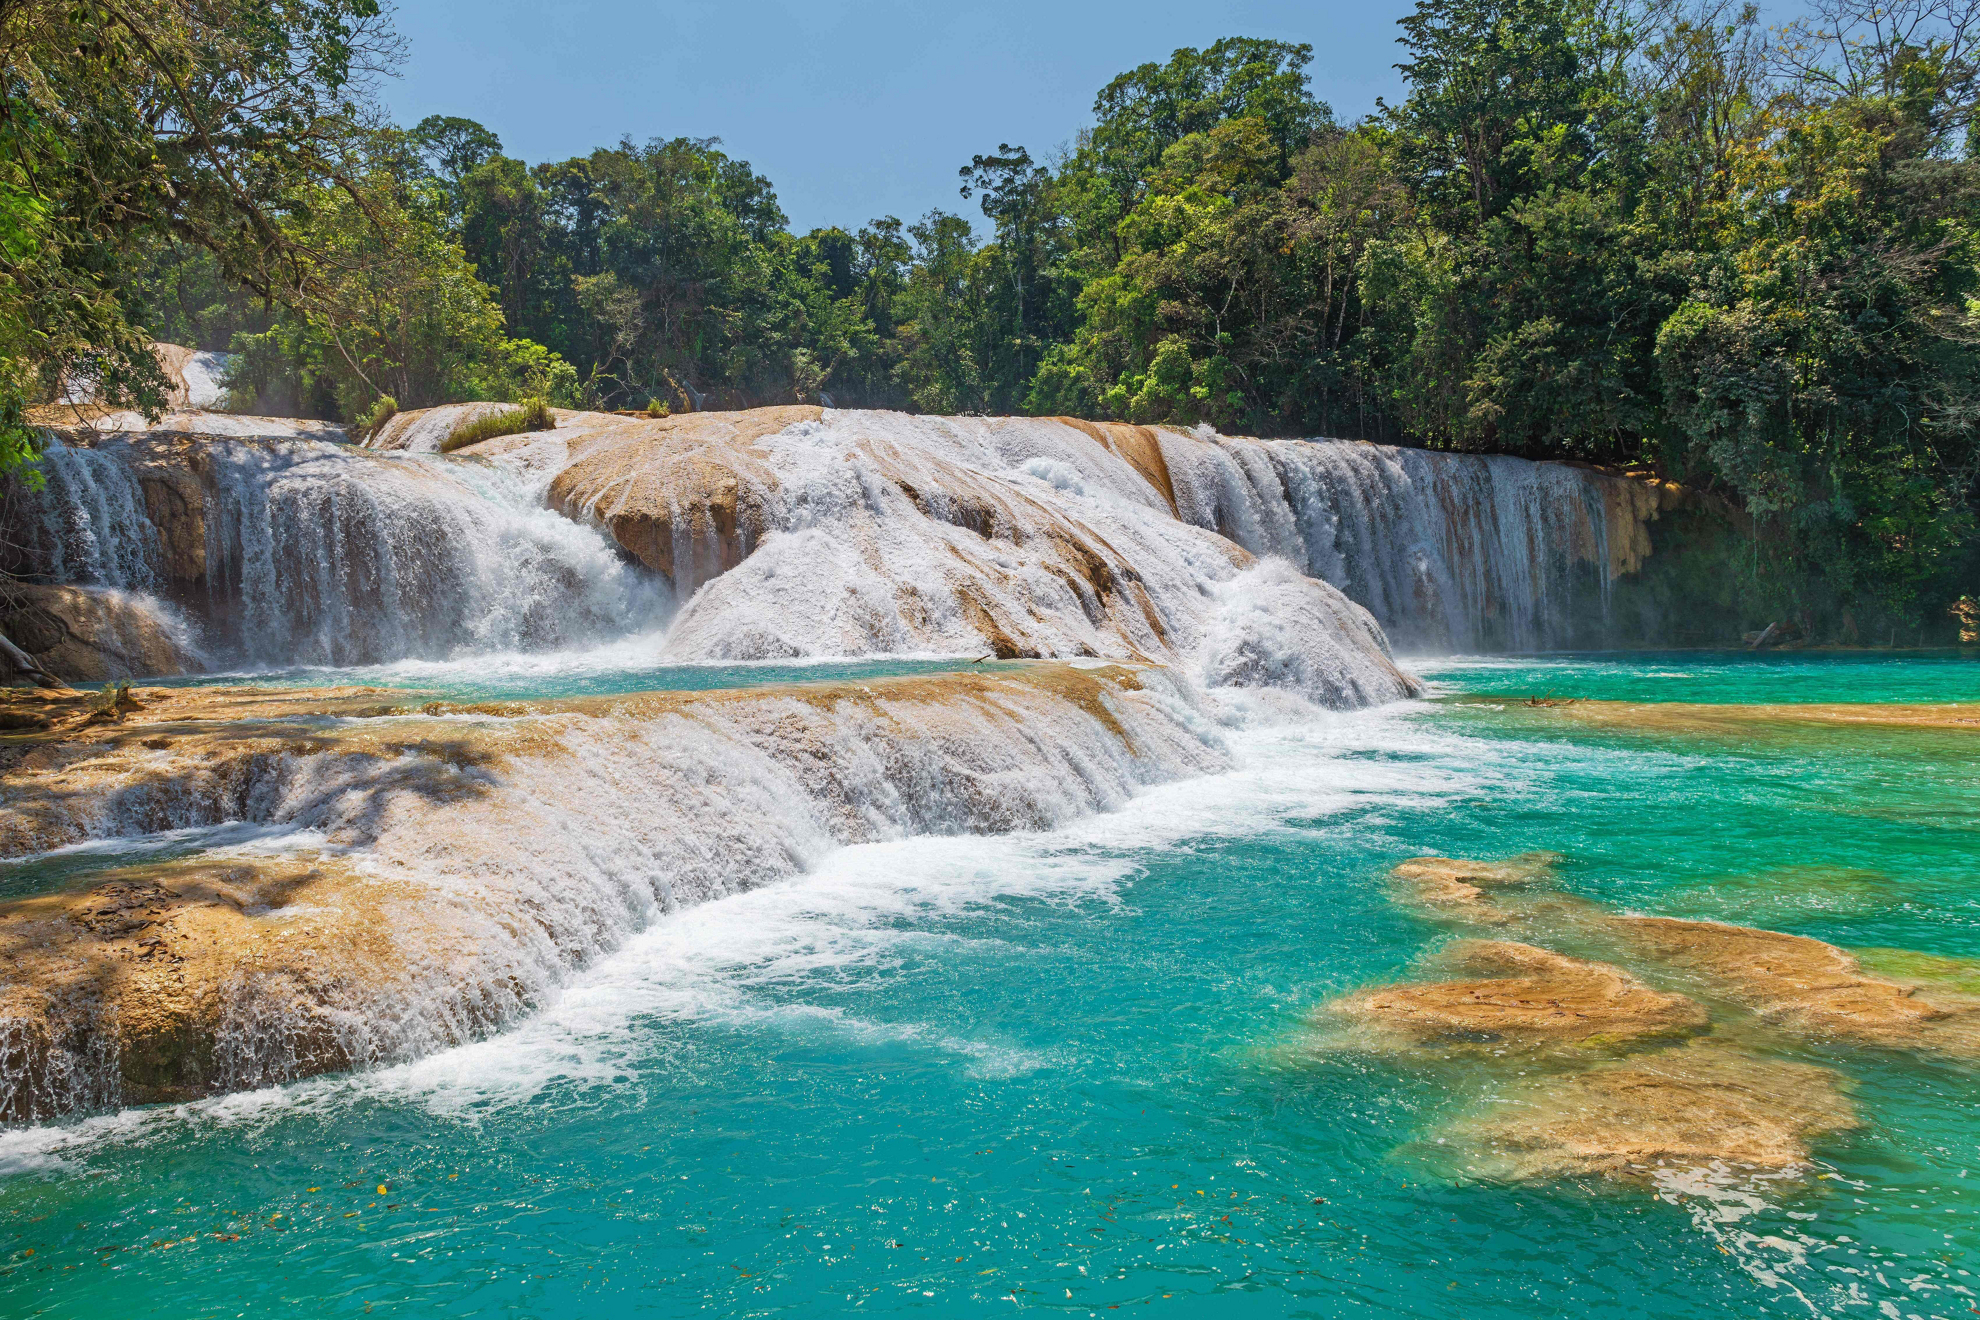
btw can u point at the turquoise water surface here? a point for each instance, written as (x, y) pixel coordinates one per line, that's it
(624, 667)
(1070, 1072)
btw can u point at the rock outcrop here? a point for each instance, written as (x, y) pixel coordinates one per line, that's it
(1518, 996)
(804, 532)
(1811, 989)
(90, 635)
(1701, 1105)
(425, 430)
(1797, 985)
(1725, 1099)
(1744, 723)
(688, 496)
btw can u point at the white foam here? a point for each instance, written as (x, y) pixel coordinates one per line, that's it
(737, 960)
(745, 959)
(321, 554)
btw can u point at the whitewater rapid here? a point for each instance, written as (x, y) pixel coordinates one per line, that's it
(854, 907)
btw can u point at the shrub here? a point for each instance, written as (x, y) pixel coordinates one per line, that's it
(529, 415)
(110, 705)
(655, 408)
(371, 423)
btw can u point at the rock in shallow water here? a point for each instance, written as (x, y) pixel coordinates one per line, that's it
(1698, 1105)
(1812, 989)
(1723, 1100)
(1522, 996)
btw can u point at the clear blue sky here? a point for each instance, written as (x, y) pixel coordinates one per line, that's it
(853, 108)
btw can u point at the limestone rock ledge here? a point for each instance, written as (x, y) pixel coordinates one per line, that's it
(451, 865)
(91, 635)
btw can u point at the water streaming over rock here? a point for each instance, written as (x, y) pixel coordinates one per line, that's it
(441, 875)
(1088, 531)
(1449, 552)
(299, 552)
(461, 869)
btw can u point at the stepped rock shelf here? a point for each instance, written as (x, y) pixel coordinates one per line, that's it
(451, 864)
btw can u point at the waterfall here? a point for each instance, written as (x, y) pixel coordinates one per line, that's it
(88, 524)
(841, 533)
(301, 552)
(1449, 552)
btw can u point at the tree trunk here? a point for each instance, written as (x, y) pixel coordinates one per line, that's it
(21, 662)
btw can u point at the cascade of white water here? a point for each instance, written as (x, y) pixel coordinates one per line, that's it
(89, 524)
(1449, 552)
(458, 869)
(320, 554)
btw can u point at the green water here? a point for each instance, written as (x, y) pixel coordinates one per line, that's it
(1720, 677)
(1069, 1072)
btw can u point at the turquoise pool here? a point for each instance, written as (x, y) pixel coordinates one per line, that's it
(623, 667)
(1070, 1072)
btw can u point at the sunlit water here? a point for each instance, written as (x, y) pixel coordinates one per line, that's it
(1064, 1072)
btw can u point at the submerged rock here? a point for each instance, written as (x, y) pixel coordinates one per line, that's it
(1786, 720)
(1698, 1105)
(1796, 984)
(1449, 880)
(1721, 1100)
(1807, 987)
(1523, 996)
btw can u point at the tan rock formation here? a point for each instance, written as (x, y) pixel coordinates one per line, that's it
(1524, 996)
(1699, 1105)
(87, 635)
(425, 430)
(1139, 445)
(467, 858)
(1796, 984)
(1746, 722)
(1807, 987)
(1449, 880)
(85, 419)
(119, 993)
(688, 496)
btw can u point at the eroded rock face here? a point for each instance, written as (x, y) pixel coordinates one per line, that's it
(1519, 995)
(1698, 1105)
(688, 496)
(85, 635)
